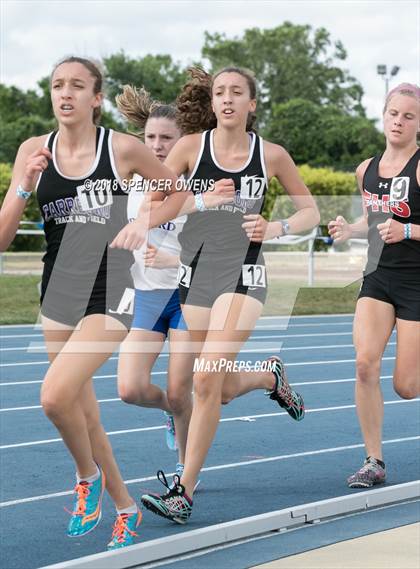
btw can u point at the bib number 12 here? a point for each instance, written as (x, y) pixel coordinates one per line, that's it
(254, 275)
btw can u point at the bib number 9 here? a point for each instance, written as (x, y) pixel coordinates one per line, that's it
(184, 275)
(254, 275)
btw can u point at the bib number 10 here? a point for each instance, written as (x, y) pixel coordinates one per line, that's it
(254, 275)
(96, 195)
(252, 188)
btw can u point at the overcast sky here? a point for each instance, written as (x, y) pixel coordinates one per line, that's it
(35, 34)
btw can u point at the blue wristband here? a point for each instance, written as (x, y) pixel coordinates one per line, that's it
(21, 193)
(407, 231)
(199, 202)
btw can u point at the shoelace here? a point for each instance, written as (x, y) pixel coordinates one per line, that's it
(120, 527)
(368, 467)
(82, 491)
(174, 489)
(286, 394)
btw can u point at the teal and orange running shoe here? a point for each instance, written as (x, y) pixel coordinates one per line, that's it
(285, 396)
(124, 532)
(171, 441)
(87, 506)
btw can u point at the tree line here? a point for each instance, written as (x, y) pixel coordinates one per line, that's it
(308, 102)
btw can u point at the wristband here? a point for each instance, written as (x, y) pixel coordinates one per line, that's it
(285, 227)
(199, 202)
(21, 193)
(407, 231)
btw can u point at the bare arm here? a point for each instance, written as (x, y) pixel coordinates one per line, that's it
(31, 160)
(339, 229)
(280, 164)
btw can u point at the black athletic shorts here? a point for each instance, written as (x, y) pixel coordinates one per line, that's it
(68, 300)
(202, 281)
(396, 288)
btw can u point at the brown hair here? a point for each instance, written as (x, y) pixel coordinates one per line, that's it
(137, 106)
(96, 73)
(194, 110)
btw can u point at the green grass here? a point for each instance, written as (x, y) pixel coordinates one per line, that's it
(19, 301)
(288, 298)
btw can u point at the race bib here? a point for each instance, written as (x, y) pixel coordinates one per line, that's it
(252, 188)
(95, 195)
(254, 275)
(399, 189)
(184, 275)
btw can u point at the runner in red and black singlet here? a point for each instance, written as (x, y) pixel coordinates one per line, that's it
(390, 291)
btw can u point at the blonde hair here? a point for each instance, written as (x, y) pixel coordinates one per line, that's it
(409, 89)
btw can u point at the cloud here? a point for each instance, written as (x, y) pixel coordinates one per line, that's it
(36, 34)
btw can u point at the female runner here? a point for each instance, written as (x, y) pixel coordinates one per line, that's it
(222, 279)
(86, 299)
(390, 292)
(157, 311)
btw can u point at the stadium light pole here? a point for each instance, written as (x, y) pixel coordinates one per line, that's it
(383, 71)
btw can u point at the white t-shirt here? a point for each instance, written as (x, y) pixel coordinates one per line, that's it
(164, 237)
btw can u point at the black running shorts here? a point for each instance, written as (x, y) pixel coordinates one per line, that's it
(393, 287)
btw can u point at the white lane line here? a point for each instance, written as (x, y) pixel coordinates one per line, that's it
(8, 384)
(218, 467)
(280, 318)
(225, 420)
(263, 336)
(306, 325)
(305, 383)
(320, 382)
(34, 349)
(21, 336)
(291, 364)
(166, 354)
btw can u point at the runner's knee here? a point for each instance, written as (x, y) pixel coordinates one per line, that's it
(368, 369)
(405, 388)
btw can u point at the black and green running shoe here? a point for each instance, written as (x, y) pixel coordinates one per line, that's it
(174, 505)
(285, 396)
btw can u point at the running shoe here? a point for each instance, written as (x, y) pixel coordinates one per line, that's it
(173, 505)
(285, 396)
(87, 510)
(124, 532)
(170, 432)
(370, 474)
(180, 471)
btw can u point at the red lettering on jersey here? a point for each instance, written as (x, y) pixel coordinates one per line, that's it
(375, 202)
(401, 208)
(372, 201)
(385, 203)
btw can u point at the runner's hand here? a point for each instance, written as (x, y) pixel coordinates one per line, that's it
(158, 259)
(223, 192)
(339, 229)
(36, 163)
(391, 231)
(131, 236)
(258, 229)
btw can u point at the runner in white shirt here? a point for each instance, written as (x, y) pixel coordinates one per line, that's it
(157, 312)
